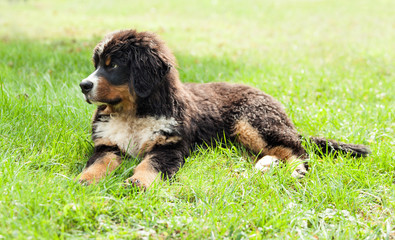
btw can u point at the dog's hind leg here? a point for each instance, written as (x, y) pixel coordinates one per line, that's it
(274, 144)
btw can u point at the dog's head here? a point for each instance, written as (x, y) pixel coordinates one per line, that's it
(128, 65)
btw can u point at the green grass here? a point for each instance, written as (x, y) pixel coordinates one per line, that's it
(331, 63)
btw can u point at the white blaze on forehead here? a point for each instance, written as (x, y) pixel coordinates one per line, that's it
(93, 77)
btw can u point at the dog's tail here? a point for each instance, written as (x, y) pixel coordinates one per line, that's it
(327, 146)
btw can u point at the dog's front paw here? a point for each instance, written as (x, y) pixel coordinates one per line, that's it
(85, 179)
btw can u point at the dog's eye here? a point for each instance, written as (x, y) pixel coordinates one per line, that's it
(113, 66)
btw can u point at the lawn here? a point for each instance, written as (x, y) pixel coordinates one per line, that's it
(330, 62)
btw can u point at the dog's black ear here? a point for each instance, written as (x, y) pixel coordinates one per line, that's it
(147, 71)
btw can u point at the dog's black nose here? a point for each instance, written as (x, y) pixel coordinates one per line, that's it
(86, 86)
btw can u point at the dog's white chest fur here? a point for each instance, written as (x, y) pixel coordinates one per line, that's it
(129, 134)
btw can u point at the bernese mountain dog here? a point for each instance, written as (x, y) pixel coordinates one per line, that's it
(145, 111)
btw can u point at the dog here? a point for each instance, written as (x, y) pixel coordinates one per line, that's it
(145, 111)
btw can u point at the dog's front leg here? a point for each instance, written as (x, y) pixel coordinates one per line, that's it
(162, 162)
(105, 159)
(144, 174)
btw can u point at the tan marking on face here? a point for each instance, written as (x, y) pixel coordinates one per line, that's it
(144, 174)
(105, 91)
(108, 61)
(128, 103)
(102, 167)
(160, 140)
